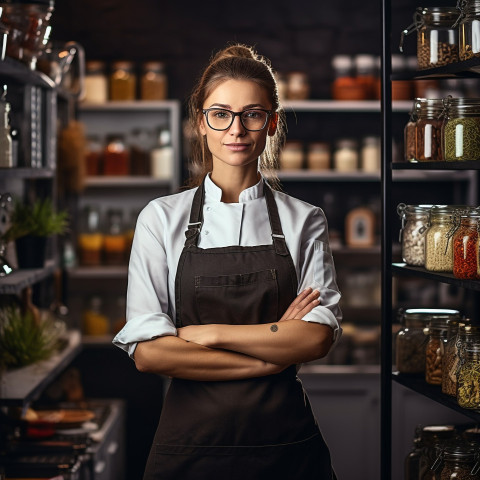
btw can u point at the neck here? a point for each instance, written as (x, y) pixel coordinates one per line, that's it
(233, 181)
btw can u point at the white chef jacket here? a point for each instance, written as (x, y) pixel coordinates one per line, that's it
(159, 239)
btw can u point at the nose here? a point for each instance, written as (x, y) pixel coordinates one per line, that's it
(236, 128)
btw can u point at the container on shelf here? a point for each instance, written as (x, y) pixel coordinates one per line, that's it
(468, 376)
(94, 156)
(438, 239)
(95, 322)
(6, 154)
(413, 232)
(450, 357)
(123, 81)
(90, 237)
(96, 82)
(401, 89)
(298, 86)
(366, 74)
(370, 155)
(465, 246)
(434, 350)
(345, 86)
(116, 158)
(154, 81)
(459, 461)
(318, 156)
(469, 29)
(428, 130)
(114, 241)
(345, 157)
(162, 156)
(291, 156)
(461, 129)
(409, 141)
(437, 37)
(412, 460)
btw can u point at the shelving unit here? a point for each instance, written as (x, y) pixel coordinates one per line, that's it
(469, 68)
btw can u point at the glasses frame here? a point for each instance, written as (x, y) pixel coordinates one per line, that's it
(237, 114)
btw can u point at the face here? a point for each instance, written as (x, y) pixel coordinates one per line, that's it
(237, 146)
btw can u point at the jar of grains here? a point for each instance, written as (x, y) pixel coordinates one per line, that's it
(461, 129)
(412, 234)
(318, 156)
(433, 438)
(435, 348)
(459, 462)
(123, 81)
(437, 38)
(468, 376)
(154, 82)
(410, 342)
(428, 130)
(465, 246)
(438, 244)
(96, 87)
(409, 133)
(469, 29)
(449, 359)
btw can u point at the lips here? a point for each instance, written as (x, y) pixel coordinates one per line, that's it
(237, 147)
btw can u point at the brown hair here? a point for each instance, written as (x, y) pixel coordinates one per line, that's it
(235, 62)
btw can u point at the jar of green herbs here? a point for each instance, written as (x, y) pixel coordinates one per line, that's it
(461, 129)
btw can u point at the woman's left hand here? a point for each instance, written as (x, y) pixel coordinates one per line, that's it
(201, 334)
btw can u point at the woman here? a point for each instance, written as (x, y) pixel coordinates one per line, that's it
(213, 298)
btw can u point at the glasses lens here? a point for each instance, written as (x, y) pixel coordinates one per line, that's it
(219, 119)
(254, 119)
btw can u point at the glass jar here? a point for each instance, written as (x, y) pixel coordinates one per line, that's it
(96, 83)
(153, 83)
(465, 246)
(469, 29)
(298, 86)
(116, 159)
(409, 133)
(370, 155)
(428, 130)
(449, 359)
(115, 242)
(123, 81)
(412, 234)
(434, 350)
(437, 38)
(438, 243)
(90, 238)
(460, 462)
(291, 156)
(468, 376)
(461, 129)
(412, 460)
(318, 156)
(345, 157)
(94, 156)
(410, 341)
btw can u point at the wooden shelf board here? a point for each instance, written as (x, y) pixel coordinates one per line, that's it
(16, 281)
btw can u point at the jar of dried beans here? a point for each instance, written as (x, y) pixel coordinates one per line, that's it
(410, 341)
(450, 359)
(465, 246)
(468, 377)
(437, 38)
(428, 130)
(435, 348)
(438, 243)
(412, 234)
(461, 129)
(434, 438)
(460, 462)
(409, 133)
(469, 29)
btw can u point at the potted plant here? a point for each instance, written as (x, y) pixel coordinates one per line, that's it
(30, 227)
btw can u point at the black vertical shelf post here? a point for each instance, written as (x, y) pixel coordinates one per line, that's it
(386, 244)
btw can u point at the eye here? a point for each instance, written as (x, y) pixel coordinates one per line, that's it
(253, 114)
(220, 114)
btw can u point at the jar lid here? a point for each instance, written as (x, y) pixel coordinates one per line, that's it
(404, 209)
(154, 66)
(324, 146)
(347, 143)
(49, 3)
(438, 14)
(431, 313)
(122, 65)
(94, 66)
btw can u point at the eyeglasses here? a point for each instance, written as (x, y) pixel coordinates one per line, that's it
(252, 120)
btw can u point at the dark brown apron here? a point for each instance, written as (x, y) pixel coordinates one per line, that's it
(251, 429)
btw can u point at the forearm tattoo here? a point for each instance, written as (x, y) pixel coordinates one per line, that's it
(274, 328)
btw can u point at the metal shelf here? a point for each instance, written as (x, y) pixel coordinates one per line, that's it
(463, 165)
(138, 105)
(353, 106)
(25, 173)
(20, 73)
(125, 181)
(21, 386)
(107, 271)
(464, 69)
(16, 281)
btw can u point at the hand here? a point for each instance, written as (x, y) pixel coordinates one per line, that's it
(304, 303)
(200, 334)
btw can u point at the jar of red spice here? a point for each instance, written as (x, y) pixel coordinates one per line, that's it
(465, 246)
(116, 160)
(428, 130)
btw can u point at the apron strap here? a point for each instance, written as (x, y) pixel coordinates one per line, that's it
(196, 219)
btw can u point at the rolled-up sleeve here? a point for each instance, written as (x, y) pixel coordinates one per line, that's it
(147, 293)
(318, 271)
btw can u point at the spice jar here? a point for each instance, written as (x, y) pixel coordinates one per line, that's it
(412, 460)
(469, 29)
(409, 133)
(95, 322)
(123, 82)
(450, 358)
(345, 157)
(96, 83)
(428, 130)
(438, 243)
(412, 234)
(298, 86)
(291, 157)
(437, 38)
(93, 156)
(318, 156)
(366, 74)
(116, 159)
(90, 238)
(115, 243)
(461, 129)
(370, 154)
(460, 462)
(153, 83)
(435, 348)
(410, 342)
(468, 376)
(465, 246)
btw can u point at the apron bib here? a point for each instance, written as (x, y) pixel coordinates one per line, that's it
(239, 429)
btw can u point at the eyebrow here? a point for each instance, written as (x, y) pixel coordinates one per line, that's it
(245, 107)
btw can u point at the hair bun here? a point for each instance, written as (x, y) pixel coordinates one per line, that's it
(238, 51)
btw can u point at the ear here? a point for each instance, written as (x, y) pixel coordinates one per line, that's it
(201, 124)
(272, 127)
